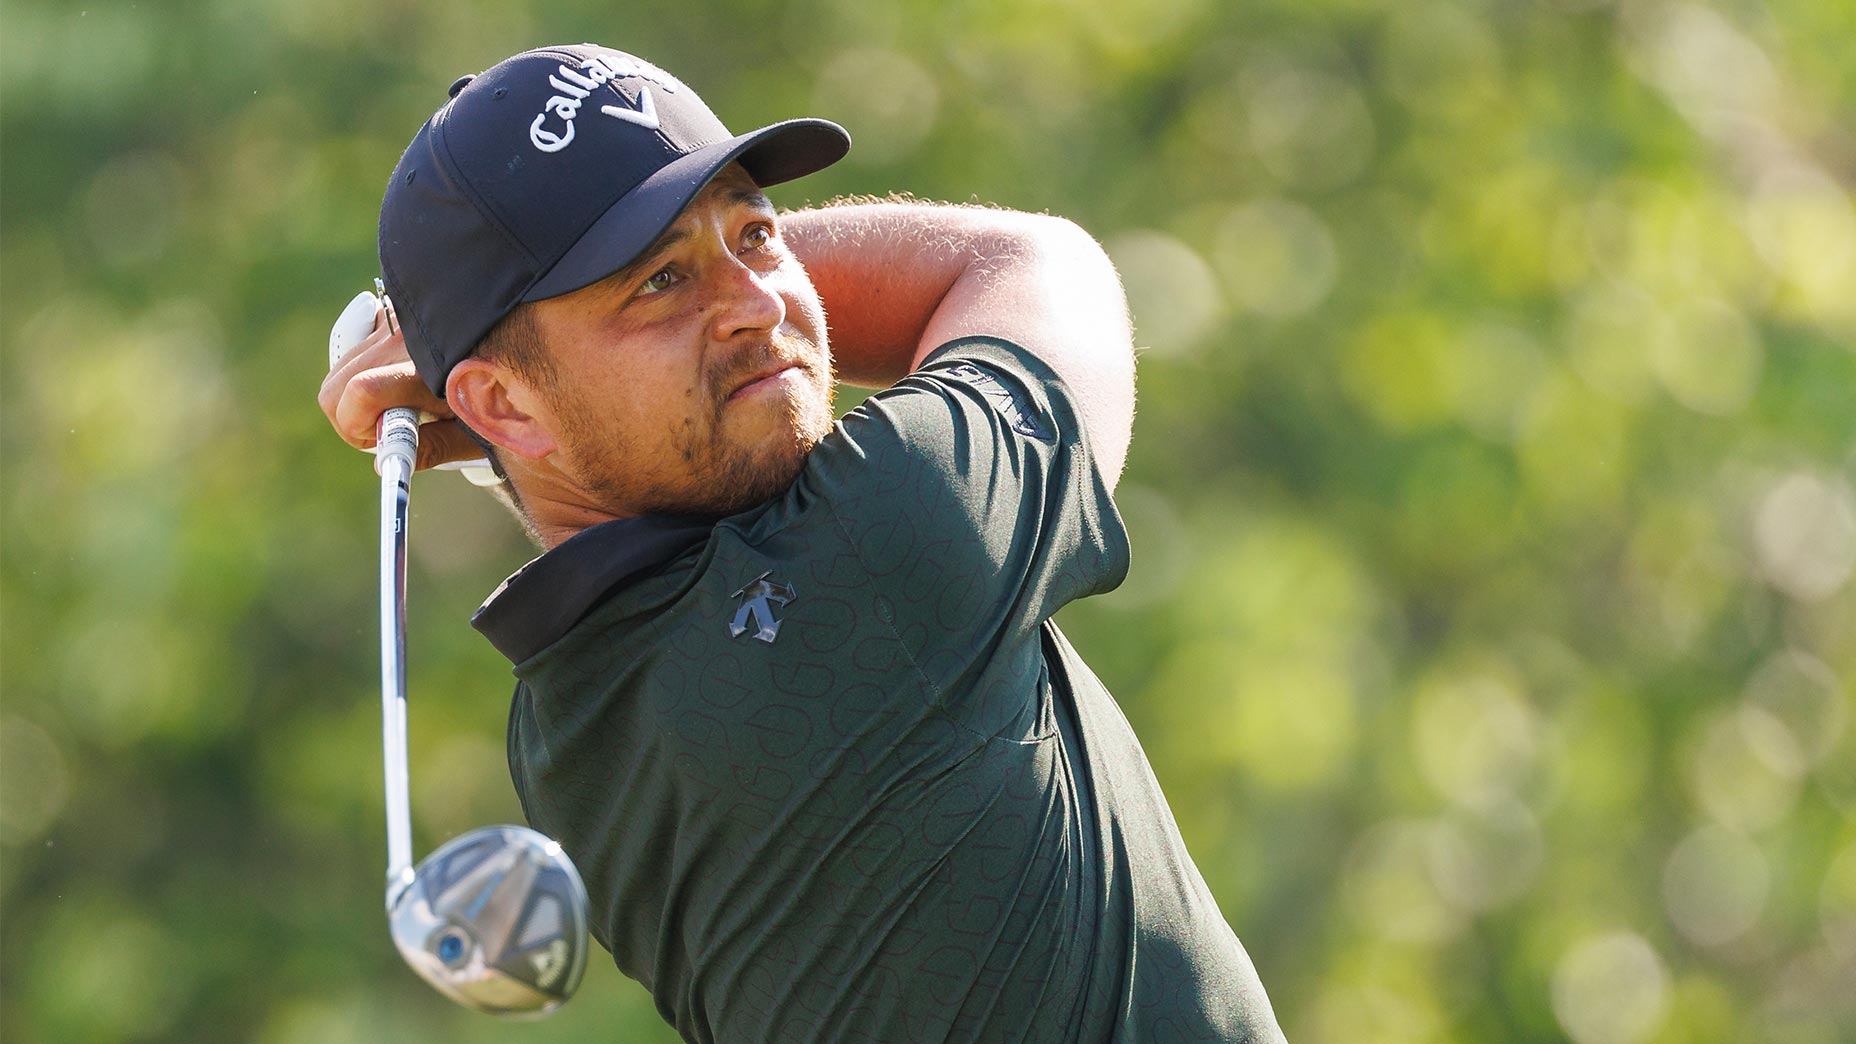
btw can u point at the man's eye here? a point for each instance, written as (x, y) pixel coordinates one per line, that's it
(757, 236)
(659, 281)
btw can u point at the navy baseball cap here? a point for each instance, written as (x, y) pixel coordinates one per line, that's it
(548, 172)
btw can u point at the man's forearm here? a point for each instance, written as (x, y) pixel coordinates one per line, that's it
(900, 279)
(884, 269)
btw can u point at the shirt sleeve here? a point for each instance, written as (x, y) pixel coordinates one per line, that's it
(971, 504)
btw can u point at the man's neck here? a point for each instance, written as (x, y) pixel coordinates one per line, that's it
(554, 513)
(556, 529)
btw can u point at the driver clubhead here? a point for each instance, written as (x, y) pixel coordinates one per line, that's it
(496, 920)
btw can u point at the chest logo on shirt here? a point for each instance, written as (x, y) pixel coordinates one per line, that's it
(760, 596)
(1021, 420)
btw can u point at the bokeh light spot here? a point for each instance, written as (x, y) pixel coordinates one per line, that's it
(1497, 365)
(1309, 128)
(1172, 292)
(1475, 735)
(1278, 258)
(1732, 781)
(1803, 224)
(1802, 694)
(1708, 357)
(1611, 989)
(1441, 60)
(1610, 328)
(1485, 857)
(1804, 532)
(1575, 449)
(33, 782)
(1714, 885)
(1716, 76)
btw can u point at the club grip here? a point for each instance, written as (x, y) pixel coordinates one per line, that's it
(355, 323)
(399, 437)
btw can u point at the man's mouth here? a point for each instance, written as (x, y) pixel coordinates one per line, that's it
(765, 379)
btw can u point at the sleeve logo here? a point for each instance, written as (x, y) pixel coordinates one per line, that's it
(1004, 399)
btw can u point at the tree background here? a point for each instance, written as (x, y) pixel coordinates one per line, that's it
(1491, 627)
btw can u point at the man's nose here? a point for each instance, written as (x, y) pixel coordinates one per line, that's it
(746, 301)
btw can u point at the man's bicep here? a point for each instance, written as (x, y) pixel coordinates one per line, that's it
(969, 490)
(1050, 288)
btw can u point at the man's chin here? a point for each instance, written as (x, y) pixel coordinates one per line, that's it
(754, 456)
(747, 481)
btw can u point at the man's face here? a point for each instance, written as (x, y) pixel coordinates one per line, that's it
(697, 379)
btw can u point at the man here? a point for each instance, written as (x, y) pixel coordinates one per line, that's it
(788, 690)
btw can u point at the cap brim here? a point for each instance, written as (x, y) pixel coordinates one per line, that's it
(771, 155)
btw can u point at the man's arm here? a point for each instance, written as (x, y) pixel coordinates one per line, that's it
(900, 280)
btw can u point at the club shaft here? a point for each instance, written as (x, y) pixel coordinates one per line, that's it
(399, 440)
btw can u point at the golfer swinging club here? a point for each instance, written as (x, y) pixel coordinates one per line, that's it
(789, 693)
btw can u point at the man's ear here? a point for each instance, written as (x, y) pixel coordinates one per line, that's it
(498, 404)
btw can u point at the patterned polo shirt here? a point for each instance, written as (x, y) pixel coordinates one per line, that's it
(830, 770)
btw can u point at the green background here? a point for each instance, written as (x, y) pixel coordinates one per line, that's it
(1491, 626)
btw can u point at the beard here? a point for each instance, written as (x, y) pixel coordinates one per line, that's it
(718, 463)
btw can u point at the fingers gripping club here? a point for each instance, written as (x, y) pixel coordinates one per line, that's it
(354, 326)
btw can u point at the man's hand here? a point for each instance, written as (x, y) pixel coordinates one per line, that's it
(377, 376)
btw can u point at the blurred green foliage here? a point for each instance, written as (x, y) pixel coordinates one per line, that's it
(1492, 626)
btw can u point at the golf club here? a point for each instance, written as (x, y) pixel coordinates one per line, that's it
(496, 918)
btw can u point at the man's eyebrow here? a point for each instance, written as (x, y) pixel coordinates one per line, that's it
(752, 197)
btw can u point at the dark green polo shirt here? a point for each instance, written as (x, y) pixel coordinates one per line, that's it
(830, 771)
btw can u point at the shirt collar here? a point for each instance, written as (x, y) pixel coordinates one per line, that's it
(544, 599)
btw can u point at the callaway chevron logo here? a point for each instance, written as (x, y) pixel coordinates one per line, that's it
(573, 86)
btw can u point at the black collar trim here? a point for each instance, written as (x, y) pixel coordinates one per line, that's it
(544, 599)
